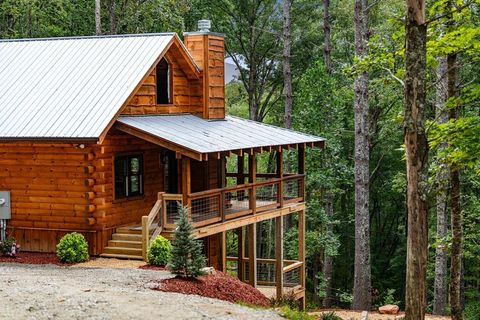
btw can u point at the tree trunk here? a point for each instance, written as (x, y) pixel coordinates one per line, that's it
(112, 16)
(456, 251)
(326, 36)
(440, 291)
(287, 74)
(417, 160)
(362, 273)
(328, 260)
(98, 17)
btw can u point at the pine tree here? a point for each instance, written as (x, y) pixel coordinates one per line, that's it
(187, 258)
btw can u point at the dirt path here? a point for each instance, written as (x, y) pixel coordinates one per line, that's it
(51, 292)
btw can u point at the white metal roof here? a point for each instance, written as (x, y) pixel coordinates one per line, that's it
(70, 87)
(207, 136)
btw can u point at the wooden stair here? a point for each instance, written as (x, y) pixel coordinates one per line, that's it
(126, 243)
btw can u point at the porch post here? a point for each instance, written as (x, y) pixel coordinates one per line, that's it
(252, 254)
(280, 175)
(186, 183)
(223, 240)
(301, 253)
(241, 254)
(279, 256)
(252, 178)
(301, 159)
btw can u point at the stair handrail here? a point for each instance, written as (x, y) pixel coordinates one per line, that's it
(156, 212)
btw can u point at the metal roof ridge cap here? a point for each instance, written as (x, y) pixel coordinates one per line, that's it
(273, 126)
(153, 115)
(109, 36)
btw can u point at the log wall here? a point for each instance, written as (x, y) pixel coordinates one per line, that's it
(187, 93)
(49, 195)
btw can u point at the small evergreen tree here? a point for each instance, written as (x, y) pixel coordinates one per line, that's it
(187, 258)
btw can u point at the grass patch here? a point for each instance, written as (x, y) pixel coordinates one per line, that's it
(293, 314)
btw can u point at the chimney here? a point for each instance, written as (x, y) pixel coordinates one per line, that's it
(208, 50)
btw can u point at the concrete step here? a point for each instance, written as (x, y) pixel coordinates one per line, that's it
(127, 237)
(123, 251)
(121, 256)
(125, 244)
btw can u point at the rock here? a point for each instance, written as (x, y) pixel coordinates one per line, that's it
(208, 270)
(364, 315)
(389, 309)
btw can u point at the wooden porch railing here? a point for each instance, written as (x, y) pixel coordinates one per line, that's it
(159, 213)
(216, 205)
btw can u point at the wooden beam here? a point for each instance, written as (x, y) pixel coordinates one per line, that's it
(246, 220)
(301, 252)
(279, 256)
(241, 254)
(301, 159)
(252, 178)
(186, 182)
(280, 175)
(252, 254)
(223, 240)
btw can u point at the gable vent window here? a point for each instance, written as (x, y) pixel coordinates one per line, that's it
(163, 82)
(128, 176)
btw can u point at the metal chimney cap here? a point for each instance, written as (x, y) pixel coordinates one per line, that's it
(204, 25)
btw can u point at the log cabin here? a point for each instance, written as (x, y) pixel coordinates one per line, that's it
(108, 135)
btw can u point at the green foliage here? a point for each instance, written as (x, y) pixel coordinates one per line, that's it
(160, 251)
(330, 316)
(472, 310)
(389, 297)
(187, 258)
(294, 314)
(7, 245)
(72, 248)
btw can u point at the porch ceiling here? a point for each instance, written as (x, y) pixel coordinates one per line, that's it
(199, 138)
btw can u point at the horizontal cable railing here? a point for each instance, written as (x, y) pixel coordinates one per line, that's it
(215, 205)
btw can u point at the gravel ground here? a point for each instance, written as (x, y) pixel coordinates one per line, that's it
(52, 292)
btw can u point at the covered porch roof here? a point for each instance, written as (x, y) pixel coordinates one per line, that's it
(199, 138)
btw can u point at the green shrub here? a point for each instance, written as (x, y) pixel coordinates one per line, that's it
(72, 248)
(294, 314)
(330, 316)
(160, 251)
(472, 311)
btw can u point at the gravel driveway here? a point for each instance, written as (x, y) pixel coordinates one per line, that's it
(51, 292)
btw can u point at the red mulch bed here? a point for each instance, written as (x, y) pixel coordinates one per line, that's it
(33, 258)
(219, 286)
(152, 267)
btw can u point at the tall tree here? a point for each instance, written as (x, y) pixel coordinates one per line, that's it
(417, 157)
(327, 56)
(362, 272)
(98, 17)
(253, 27)
(287, 73)
(456, 259)
(440, 291)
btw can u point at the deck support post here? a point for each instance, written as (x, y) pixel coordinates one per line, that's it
(252, 178)
(241, 254)
(279, 174)
(301, 253)
(279, 256)
(186, 184)
(252, 254)
(223, 248)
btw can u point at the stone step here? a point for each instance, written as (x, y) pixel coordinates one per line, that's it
(121, 256)
(123, 251)
(125, 244)
(127, 237)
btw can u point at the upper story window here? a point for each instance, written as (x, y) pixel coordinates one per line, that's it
(163, 82)
(128, 176)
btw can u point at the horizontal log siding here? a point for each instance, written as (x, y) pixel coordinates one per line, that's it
(187, 94)
(111, 213)
(48, 192)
